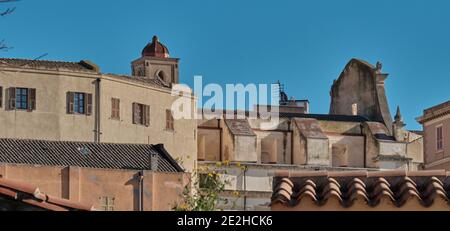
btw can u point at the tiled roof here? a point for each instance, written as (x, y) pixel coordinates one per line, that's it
(379, 131)
(361, 187)
(87, 154)
(309, 128)
(31, 196)
(343, 118)
(152, 82)
(239, 127)
(289, 115)
(45, 64)
(420, 133)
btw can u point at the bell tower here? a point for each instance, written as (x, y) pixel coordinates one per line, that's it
(156, 65)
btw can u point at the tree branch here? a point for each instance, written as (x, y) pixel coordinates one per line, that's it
(8, 10)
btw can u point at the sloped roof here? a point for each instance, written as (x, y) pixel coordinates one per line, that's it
(30, 195)
(379, 131)
(87, 154)
(309, 128)
(326, 117)
(361, 187)
(154, 82)
(239, 127)
(83, 66)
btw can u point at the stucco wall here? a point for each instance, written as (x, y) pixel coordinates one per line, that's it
(430, 147)
(317, 151)
(354, 146)
(50, 120)
(87, 185)
(245, 149)
(277, 144)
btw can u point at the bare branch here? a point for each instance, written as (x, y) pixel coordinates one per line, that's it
(8, 10)
(3, 46)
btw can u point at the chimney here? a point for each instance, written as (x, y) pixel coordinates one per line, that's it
(355, 109)
(153, 162)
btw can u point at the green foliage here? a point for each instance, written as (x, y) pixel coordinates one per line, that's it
(203, 192)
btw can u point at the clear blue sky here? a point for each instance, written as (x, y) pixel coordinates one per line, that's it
(304, 44)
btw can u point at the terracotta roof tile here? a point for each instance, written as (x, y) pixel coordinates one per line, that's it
(396, 186)
(30, 195)
(83, 66)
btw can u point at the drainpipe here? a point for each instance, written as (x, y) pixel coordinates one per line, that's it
(365, 145)
(245, 189)
(220, 140)
(290, 127)
(97, 110)
(141, 190)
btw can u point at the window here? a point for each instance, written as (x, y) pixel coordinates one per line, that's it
(115, 108)
(160, 74)
(141, 114)
(169, 120)
(79, 103)
(21, 98)
(107, 203)
(439, 138)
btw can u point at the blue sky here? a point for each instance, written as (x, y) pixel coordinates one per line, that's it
(304, 44)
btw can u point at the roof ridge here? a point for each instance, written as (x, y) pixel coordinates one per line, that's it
(41, 60)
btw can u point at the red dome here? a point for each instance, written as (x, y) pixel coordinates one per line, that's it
(155, 49)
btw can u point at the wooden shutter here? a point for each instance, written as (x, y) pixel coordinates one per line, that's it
(134, 111)
(70, 96)
(1, 97)
(11, 98)
(118, 108)
(169, 120)
(31, 99)
(88, 103)
(113, 108)
(147, 115)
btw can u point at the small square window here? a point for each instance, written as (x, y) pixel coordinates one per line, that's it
(107, 203)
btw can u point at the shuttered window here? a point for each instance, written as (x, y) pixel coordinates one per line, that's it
(79, 103)
(115, 108)
(20, 98)
(169, 120)
(439, 138)
(141, 114)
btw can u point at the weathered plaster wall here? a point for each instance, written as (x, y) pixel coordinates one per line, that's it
(87, 185)
(50, 120)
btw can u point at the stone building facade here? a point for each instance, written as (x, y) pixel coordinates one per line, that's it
(107, 176)
(436, 132)
(74, 101)
(359, 133)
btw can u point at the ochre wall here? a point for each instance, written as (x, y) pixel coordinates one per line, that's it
(50, 120)
(87, 185)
